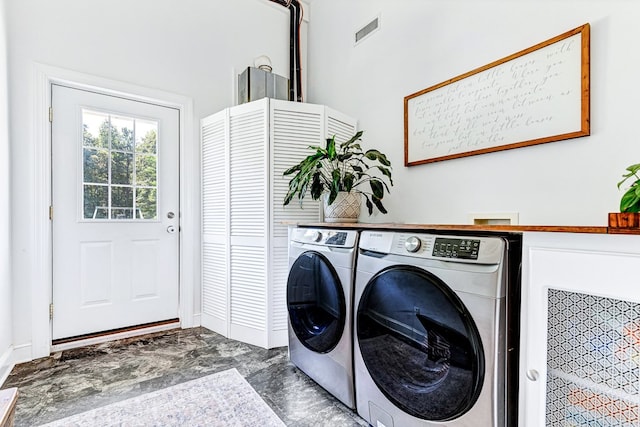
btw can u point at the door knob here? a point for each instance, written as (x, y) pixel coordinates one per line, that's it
(171, 229)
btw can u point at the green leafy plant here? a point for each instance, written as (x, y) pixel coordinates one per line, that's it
(341, 167)
(630, 201)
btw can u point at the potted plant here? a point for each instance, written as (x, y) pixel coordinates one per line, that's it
(629, 216)
(342, 173)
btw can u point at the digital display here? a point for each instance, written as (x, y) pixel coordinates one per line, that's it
(339, 238)
(456, 248)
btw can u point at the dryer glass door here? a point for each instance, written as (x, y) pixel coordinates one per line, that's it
(420, 344)
(316, 302)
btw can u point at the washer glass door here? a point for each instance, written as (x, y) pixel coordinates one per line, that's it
(420, 344)
(316, 302)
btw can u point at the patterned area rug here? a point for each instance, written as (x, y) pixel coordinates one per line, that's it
(221, 399)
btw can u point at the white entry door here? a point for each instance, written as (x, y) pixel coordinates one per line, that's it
(115, 212)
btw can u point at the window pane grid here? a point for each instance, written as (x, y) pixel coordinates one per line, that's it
(119, 167)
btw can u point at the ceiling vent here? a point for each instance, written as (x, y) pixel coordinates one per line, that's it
(367, 30)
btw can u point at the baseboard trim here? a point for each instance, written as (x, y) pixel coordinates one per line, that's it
(279, 338)
(197, 320)
(6, 364)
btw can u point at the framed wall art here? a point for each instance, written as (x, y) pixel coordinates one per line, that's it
(537, 95)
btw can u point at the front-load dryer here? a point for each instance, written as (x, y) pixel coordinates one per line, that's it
(429, 331)
(319, 302)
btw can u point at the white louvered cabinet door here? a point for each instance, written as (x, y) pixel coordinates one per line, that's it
(293, 128)
(215, 218)
(248, 193)
(340, 125)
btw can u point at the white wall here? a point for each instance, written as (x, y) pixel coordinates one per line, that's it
(192, 47)
(424, 42)
(5, 278)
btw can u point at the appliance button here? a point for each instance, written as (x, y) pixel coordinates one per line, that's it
(412, 244)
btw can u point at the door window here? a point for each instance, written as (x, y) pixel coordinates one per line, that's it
(420, 344)
(119, 167)
(316, 302)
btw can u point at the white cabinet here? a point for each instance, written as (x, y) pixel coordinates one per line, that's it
(245, 150)
(580, 355)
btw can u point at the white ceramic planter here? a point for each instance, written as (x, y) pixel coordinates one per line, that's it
(345, 208)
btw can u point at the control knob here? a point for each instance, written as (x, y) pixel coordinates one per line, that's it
(316, 236)
(412, 244)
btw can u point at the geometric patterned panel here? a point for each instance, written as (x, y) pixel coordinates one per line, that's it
(593, 361)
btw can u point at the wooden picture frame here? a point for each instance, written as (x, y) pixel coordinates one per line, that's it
(537, 95)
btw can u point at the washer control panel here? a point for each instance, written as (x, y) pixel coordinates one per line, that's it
(315, 236)
(456, 248)
(476, 250)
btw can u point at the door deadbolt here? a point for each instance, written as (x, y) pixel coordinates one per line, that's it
(170, 215)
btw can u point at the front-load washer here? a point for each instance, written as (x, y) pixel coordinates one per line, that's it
(429, 330)
(319, 302)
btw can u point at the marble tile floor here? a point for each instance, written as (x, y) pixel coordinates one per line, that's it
(77, 380)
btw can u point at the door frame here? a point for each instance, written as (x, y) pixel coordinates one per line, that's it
(41, 292)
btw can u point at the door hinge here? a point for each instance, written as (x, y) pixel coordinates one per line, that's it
(51, 311)
(50, 213)
(50, 114)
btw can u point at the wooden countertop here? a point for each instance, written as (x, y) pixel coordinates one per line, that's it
(496, 228)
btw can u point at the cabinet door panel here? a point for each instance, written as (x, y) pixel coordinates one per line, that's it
(581, 330)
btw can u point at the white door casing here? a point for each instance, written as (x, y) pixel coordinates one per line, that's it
(111, 269)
